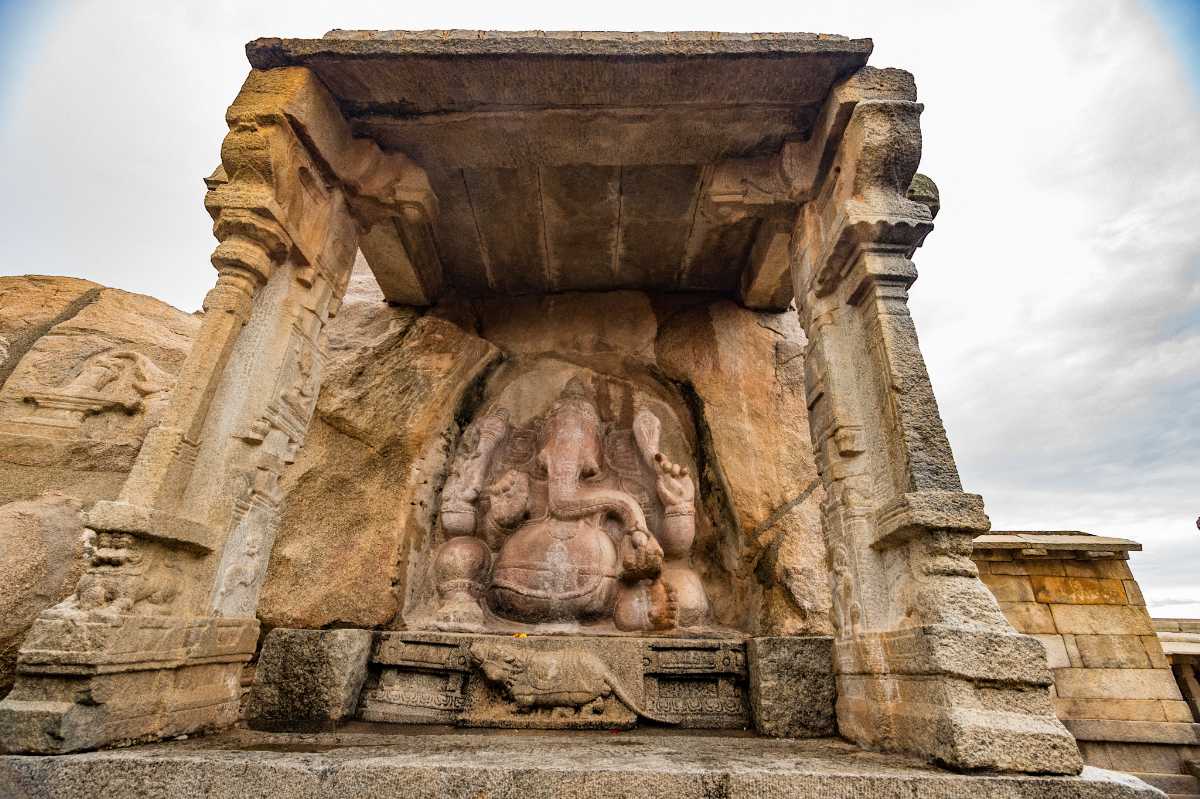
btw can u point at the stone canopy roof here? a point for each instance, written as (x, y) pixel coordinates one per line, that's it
(582, 161)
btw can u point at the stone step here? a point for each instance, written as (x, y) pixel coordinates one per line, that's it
(1170, 784)
(424, 762)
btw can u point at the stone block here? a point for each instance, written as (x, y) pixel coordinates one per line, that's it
(1116, 684)
(1148, 732)
(1112, 652)
(1134, 592)
(1073, 652)
(584, 765)
(1175, 786)
(1029, 617)
(792, 686)
(1108, 568)
(1154, 651)
(555, 681)
(1144, 757)
(1009, 587)
(1077, 590)
(308, 678)
(1156, 710)
(1028, 567)
(1056, 651)
(1101, 620)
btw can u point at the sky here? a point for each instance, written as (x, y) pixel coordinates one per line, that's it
(1059, 297)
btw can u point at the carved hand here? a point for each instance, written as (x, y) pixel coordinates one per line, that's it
(641, 555)
(675, 486)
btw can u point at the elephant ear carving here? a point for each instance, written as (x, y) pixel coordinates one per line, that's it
(647, 430)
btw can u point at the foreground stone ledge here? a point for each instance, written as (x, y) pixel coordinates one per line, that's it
(433, 763)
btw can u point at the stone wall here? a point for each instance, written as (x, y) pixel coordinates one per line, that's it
(1114, 688)
(1180, 639)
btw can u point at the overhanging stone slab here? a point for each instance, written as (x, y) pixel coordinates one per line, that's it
(552, 153)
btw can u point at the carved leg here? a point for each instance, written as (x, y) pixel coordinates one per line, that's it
(646, 605)
(459, 570)
(690, 599)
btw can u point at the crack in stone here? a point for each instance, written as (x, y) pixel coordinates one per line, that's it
(785, 509)
(20, 345)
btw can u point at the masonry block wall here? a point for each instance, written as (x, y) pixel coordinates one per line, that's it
(1114, 687)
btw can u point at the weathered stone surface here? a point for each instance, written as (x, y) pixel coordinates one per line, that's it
(246, 764)
(85, 372)
(1114, 689)
(308, 678)
(806, 177)
(32, 304)
(792, 688)
(90, 374)
(41, 558)
(556, 681)
(359, 501)
(747, 373)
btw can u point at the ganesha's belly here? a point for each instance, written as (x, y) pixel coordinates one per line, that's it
(553, 570)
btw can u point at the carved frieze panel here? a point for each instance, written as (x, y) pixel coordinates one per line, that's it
(116, 381)
(700, 683)
(555, 682)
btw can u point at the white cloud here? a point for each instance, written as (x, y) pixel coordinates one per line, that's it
(1059, 304)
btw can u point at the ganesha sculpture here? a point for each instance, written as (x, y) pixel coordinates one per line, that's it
(567, 521)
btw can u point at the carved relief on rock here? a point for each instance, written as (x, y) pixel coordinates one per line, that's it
(570, 681)
(568, 519)
(121, 381)
(121, 578)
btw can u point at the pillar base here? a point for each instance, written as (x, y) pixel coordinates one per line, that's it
(971, 701)
(94, 680)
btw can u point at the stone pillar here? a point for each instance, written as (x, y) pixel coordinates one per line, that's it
(153, 641)
(926, 663)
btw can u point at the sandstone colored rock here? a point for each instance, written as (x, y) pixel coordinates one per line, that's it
(600, 175)
(85, 371)
(747, 373)
(308, 678)
(41, 558)
(30, 305)
(94, 373)
(1114, 689)
(359, 501)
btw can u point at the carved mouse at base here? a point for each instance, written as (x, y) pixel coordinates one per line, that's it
(568, 678)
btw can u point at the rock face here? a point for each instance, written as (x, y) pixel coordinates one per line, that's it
(41, 543)
(358, 501)
(758, 550)
(745, 371)
(360, 515)
(88, 371)
(84, 373)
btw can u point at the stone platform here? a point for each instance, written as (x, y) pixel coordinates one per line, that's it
(426, 761)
